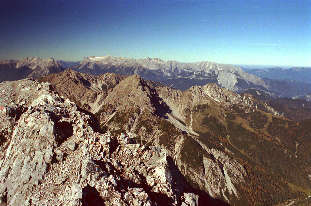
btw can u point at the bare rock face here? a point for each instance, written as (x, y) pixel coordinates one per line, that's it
(40, 66)
(219, 175)
(51, 156)
(222, 173)
(227, 80)
(181, 103)
(87, 91)
(219, 95)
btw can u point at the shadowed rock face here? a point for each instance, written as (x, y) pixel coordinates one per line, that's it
(91, 197)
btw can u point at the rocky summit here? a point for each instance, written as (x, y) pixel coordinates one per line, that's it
(51, 155)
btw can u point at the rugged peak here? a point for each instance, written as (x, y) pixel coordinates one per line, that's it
(70, 73)
(37, 60)
(220, 95)
(86, 90)
(55, 157)
(40, 66)
(31, 67)
(135, 92)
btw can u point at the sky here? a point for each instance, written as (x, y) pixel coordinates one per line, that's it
(256, 32)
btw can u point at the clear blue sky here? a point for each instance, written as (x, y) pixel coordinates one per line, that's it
(267, 32)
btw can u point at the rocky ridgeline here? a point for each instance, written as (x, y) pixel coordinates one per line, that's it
(228, 98)
(182, 101)
(36, 62)
(30, 67)
(219, 95)
(228, 76)
(175, 74)
(87, 91)
(50, 155)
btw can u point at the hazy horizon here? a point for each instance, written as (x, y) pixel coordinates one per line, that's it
(276, 33)
(252, 66)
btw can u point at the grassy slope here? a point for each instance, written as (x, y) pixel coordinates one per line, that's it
(265, 145)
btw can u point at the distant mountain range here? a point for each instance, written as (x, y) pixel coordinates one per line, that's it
(31, 67)
(176, 74)
(171, 73)
(301, 74)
